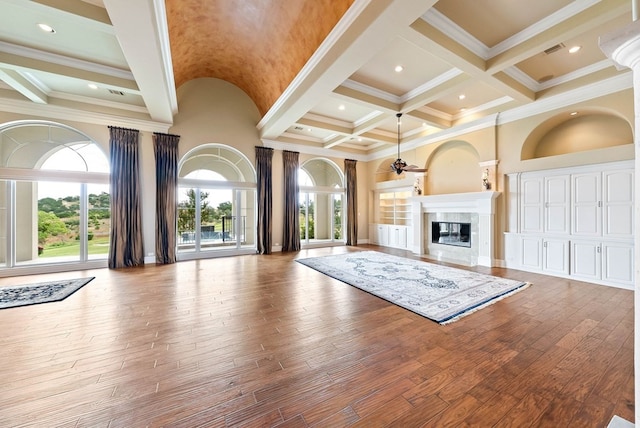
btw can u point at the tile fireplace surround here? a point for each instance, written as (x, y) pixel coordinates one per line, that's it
(477, 208)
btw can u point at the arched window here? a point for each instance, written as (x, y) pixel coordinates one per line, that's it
(321, 202)
(216, 203)
(54, 192)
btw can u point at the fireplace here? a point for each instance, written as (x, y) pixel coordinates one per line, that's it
(457, 228)
(450, 233)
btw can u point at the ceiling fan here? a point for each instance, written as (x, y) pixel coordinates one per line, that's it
(400, 166)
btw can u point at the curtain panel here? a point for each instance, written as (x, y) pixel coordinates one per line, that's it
(264, 156)
(291, 221)
(352, 201)
(126, 247)
(165, 147)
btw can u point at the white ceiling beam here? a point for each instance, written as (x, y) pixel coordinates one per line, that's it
(80, 9)
(586, 20)
(141, 29)
(435, 41)
(20, 62)
(22, 85)
(366, 26)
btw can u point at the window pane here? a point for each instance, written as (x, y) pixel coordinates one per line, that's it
(186, 219)
(47, 222)
(218, 229)
(247, 217)
(337, 216)
(307, 216)
(324, 218)
(98, 221)
(3, 223)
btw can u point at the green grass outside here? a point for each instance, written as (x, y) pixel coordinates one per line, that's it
(96, 246)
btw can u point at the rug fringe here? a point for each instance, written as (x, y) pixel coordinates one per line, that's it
(484, 305)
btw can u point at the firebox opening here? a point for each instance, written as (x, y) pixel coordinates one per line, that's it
(449, 233)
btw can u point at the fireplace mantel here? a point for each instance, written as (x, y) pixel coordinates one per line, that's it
(482, 204)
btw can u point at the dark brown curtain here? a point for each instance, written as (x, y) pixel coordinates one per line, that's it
(291, 223)
(165, 147)
(264, 156)
(352, 201)
(127, 246)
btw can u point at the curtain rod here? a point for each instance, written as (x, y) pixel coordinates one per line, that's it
(162, 133)
(125, 129)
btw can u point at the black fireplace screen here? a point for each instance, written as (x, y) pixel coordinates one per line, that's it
(449, 233)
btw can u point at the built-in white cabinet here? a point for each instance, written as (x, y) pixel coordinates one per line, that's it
(545, 255)
(398, 236)
(574, 222)
(586, 207)
(545, 204)
(617, 203)
(532, 204)
(610, 262)
(557, 205)
(387, 235)
(393, 214)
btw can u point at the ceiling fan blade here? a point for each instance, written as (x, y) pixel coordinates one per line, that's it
(414, 168)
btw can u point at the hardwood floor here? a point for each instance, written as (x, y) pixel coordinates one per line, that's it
(263, 341)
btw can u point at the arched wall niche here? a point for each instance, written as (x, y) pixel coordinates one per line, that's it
(588, 130)
(453, 168)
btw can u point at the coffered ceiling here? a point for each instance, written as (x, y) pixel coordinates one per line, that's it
(321, 72)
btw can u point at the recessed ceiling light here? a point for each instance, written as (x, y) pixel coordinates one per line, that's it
(308, 129)
(462, 96)
(573, 113)
(463, 109)
(398, 68)
(92, 86)
(47, 28)
(574, 49)
(341, 107)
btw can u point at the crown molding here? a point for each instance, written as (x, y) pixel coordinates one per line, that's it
(604, 87)
(50, 111)
(13, 49)
(453, 30)
(374, 92)
(315, 151)
(541, 26)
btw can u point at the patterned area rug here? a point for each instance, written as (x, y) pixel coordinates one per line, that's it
(440, 293)
(42, 292)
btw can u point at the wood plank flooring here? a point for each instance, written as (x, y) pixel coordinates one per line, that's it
(259, 341)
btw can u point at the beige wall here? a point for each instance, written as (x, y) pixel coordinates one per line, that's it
(454, 164)
(214, 111)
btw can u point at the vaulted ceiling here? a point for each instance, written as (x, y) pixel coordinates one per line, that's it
(321, 72)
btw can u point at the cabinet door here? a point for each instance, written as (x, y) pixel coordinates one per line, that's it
(398, 237)
(532, 199)
(618, 203)
(531, 252)
(557, 204)
(585, 259)
(617, 263)
(555, 255)
(586, 206)
(383, 235)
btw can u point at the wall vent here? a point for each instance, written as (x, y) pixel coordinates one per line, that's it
(298, 128)
(553, 49)
(111, 91)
